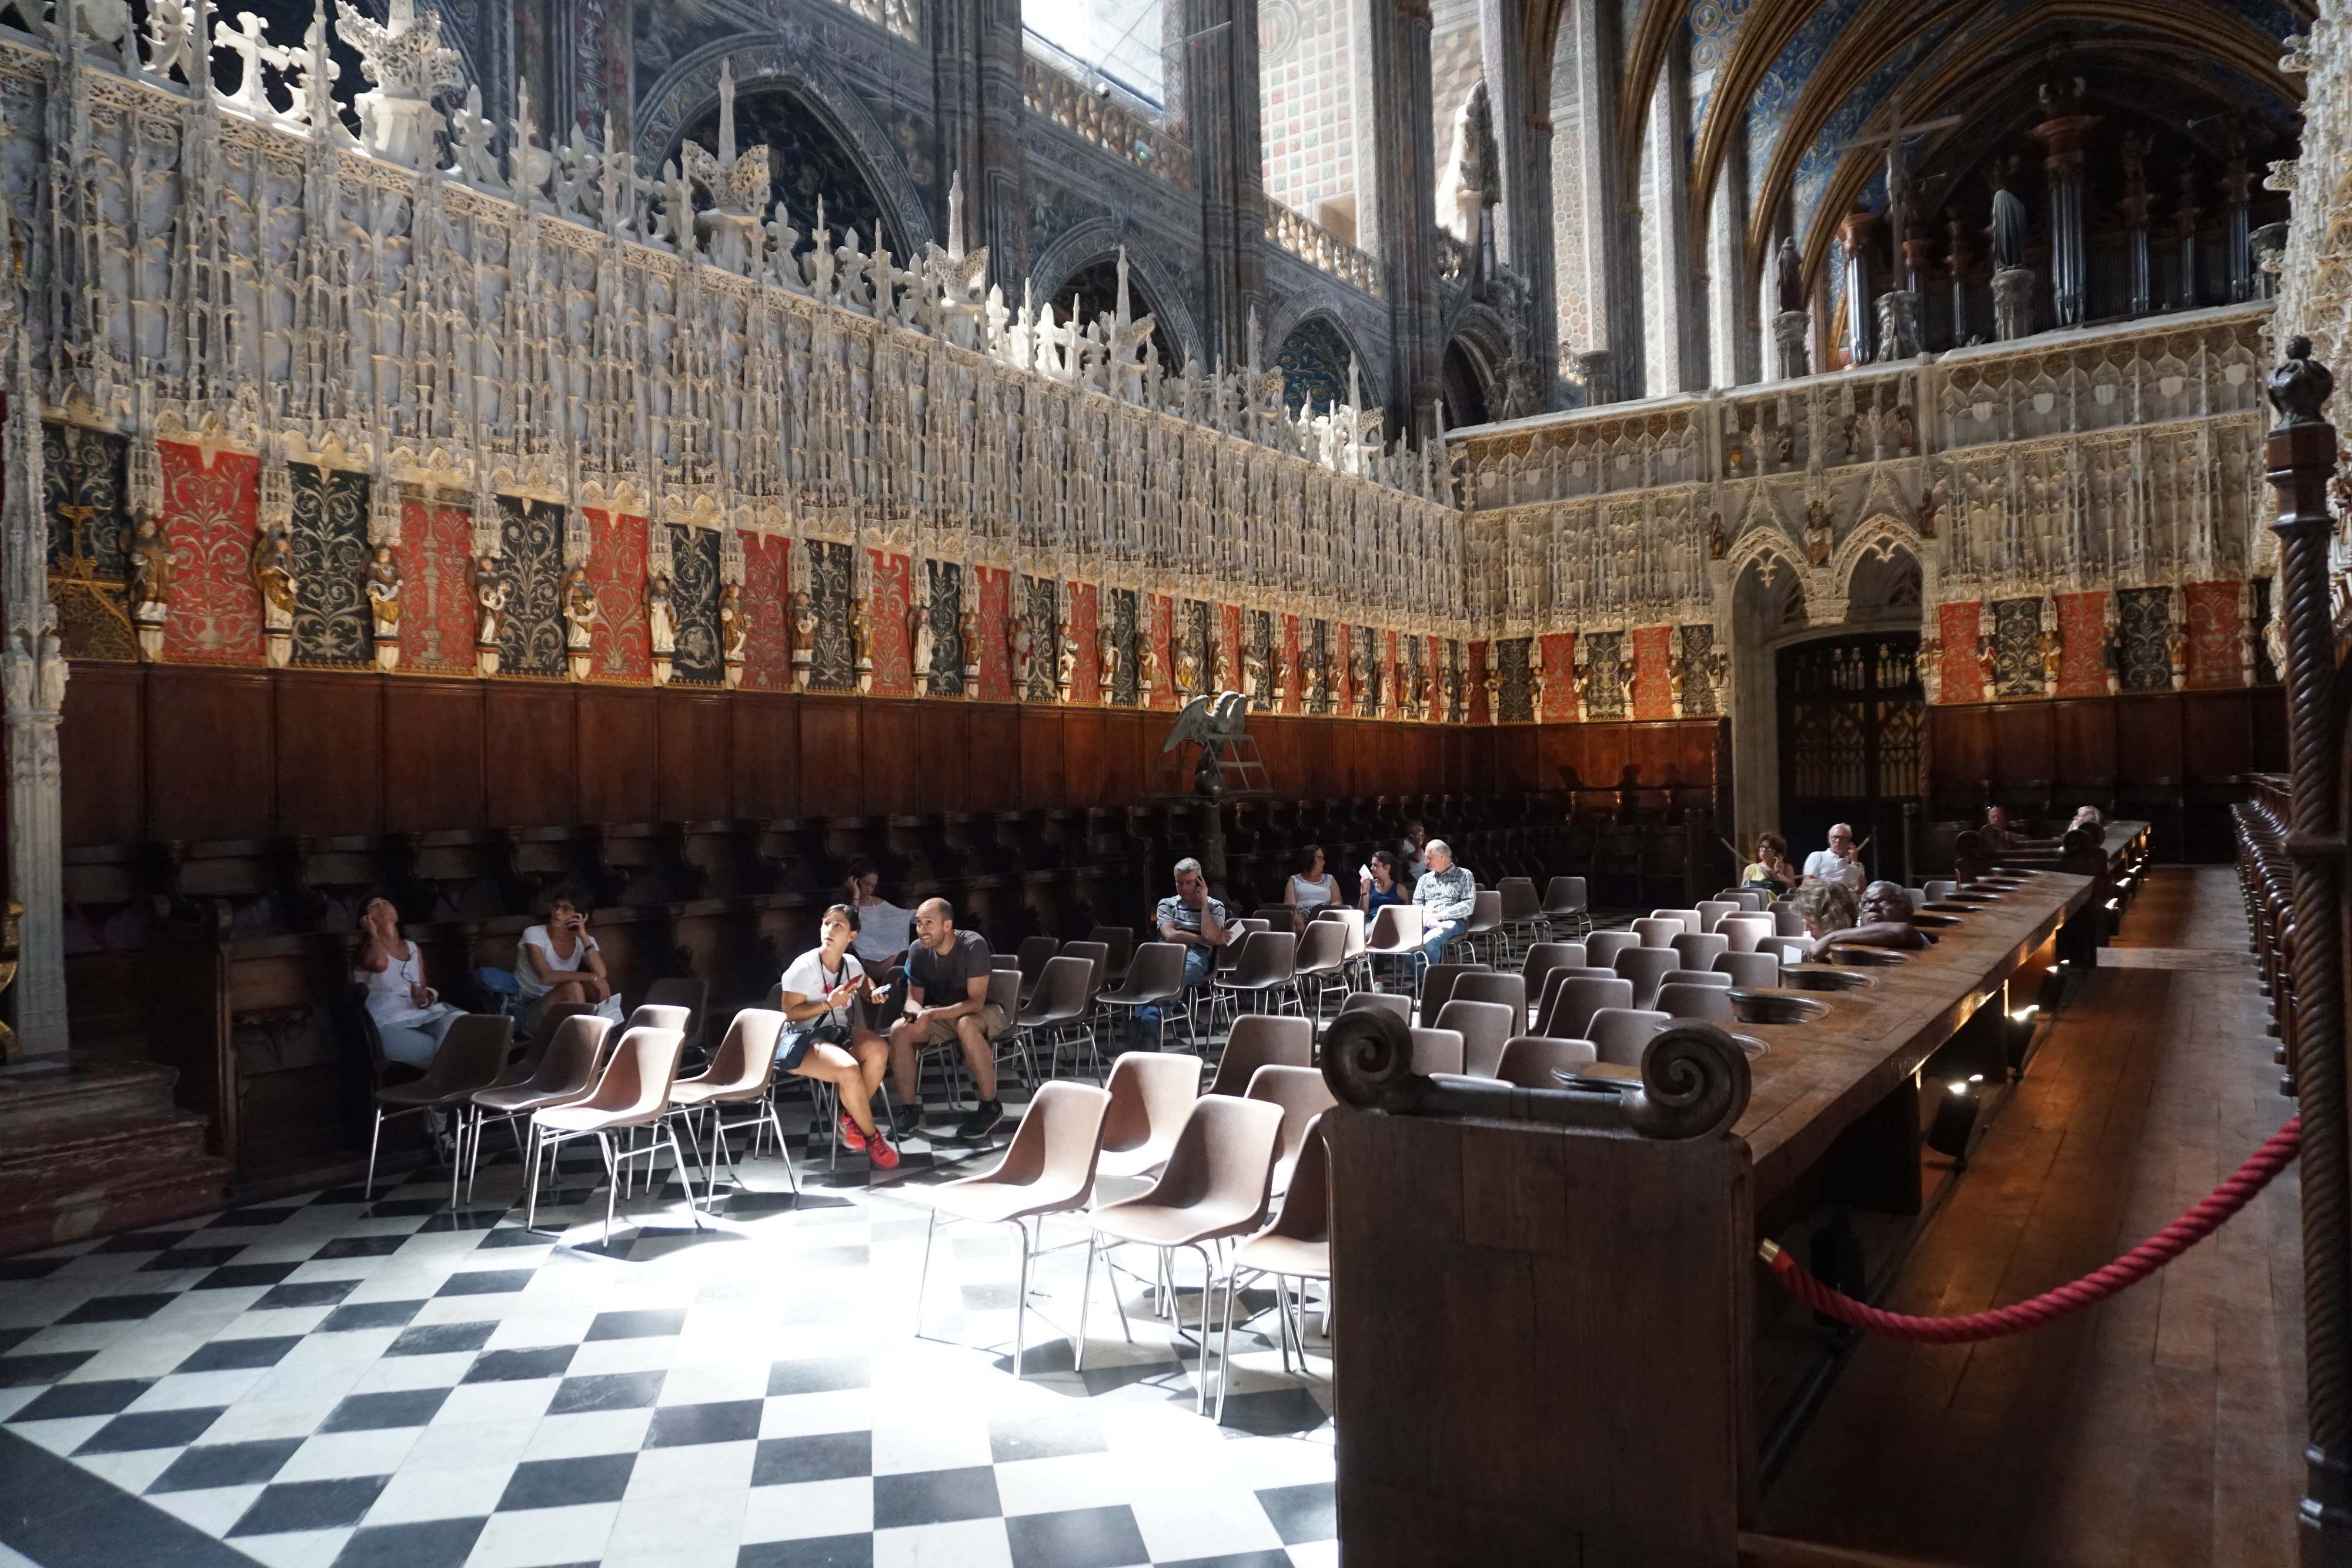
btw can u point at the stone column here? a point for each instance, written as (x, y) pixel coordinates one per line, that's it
(1731, 305)
(1789, 330)
(1854, 242)
(2185, 217)
(2237, 236)
(2061, 137)
(33, 678)
(1522, 236)
(1406, 180)
(1596, 276)
(1219, 82)
(1957, 260)
(2135, 209)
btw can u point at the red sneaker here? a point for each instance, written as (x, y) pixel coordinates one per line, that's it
(878, 1150)
(849, 1132)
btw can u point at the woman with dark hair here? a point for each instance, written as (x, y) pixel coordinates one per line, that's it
(1770, 870)
(1383, 885)
(820, 1039)
(1311, 887)
(884, 933)
(557, 960)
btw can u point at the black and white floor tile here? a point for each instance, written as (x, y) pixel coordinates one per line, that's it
(328, 1383)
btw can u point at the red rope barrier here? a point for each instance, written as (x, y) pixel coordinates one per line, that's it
(2130, 1269)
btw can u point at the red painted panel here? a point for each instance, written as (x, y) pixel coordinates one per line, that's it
(208, 514)
(1159, 621)
(1963, 679)
(1342, 644)
(1653, 681)
(2083, 629)
(622, 648)
(995, 622)
(1086, 623)
(767, 588)
(436, 599)
(2213, 635)
(894, 659)
(1229, 638)
(1560, 680)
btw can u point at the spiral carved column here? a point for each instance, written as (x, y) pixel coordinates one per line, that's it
(2302, 457)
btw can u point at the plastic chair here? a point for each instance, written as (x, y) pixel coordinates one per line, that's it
(1436, 1051)
(1749, 968)
(472, 1056)
(1543, 957)
(659, 1015)
(1690, 918)
(1522, 910)
(1711, 911)
(1048, 1168)
(1096, 953)
(1744, 930)
(694, 995)
(1698, 952)
(1384, 1001)
(1437, 986)
(1268, 965)
(1690, 1001)
(1484, 1028)
(1787, 949)
(1356, 960)
(1787, 921)
(1155, 979)
(1262, 1040)
(565, 1071)
(1303, 1096)
(1939, 889)
(1152, 1093)
(740, 1073)
(1566, 905)
(1056, 1008)
(1119, 944)
(1030, 960)
(1657, 930)
(1214, 1185)
(633, 1091)
(1620, 1035)
(1296, 1246)
(1601, 948)
(1697, 977)
(1397, 933)
(1646, 967)
(1569, 1016)
(1529, 1059)
(1489, 986)
(1322, 955)
(1484, 925)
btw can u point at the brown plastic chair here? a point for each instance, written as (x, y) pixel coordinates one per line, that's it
(1565, 905)
(1543, 957)
(1269, 966)
(1691, 919)
(740, 1073)
(1658, 930)
(694, 995)
(1436, 1051)
(1056, 1008)
(1260, 1039)
(633, 1092)
(551, 1019)
(1214, 1185)
(1569, 1014)
(1120, 942)
(472, 1056)
(1744, 930)
(1155, 979)
(1484, 925)
(1496, 986)
(659, 1015)
(1698, 952)
(1355, 960)
(1437, 986)
(1711, 911)
(1048, 1168)
(1397, 933)
(1383, 1001)
(1303, 1096)
(566, 1069)
(1296, 1246)
(1749, 968)
(1522, 911)
(1622, 1034)
(1712, 1003)
(1646, 967)
(1484, 1027)
(1030, 961)
(1697, 977)
(1601, 948)
(1787, 949)
(1152, 1093)
(1530, 1059)
(1322, 954)
(1096, 953)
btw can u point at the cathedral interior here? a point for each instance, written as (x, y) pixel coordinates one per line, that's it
(1527, 833)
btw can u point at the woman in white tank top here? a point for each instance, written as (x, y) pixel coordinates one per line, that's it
(1311, 887)
(410, 1017)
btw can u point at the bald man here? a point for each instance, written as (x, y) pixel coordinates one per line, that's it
(947, 999)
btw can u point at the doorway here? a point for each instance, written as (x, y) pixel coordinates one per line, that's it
(1851, 711)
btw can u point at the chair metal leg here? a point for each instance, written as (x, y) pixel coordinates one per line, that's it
(612, 1183)
(1085, 1299)
(783, 1153)
(1208, 1291)
(457, 1152)
(531, 1205)
(685, 1175)
(924, 1279)
(1021, 1304)
(1225, 1356)
(367, 1191)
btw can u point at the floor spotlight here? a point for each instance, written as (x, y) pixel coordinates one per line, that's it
(1955, 1118)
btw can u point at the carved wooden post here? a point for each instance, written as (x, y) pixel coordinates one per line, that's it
(2302, 454)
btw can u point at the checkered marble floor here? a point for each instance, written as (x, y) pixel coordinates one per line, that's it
(323, 1381)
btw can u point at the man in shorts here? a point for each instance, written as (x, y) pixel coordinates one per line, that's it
(947, 999)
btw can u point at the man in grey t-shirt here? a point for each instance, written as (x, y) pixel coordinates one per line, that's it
(947, 999)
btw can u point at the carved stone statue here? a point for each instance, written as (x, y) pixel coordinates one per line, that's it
(490, 590)
(1626, 672)
(150, 586)
(1107, 661)
(2009, 228)
(1188, 671)
(1066, 660)
(1820, 534)
(383, 606)
(968, 650)
(1787, 277)
(1677, 671)
(1535, 679)
(661, 626)
(861, 641)
(1926, 519)
(1147, 671)
(581, 611)
(734, 631)
(804, 638)
(1718, 544)
(273, 576)
(2175, 652)
(1024, 647)
(1930, 664)
(925, 651)
(1988, 665)
(1221, 661)
(2246, 634)
(2052, 649)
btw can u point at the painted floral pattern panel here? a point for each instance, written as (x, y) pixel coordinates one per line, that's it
(2213, 635)
(620, 649)
(1317, 650)
(1229, 638)
(208, 514)
(942, 603)
(1604, 693)
(893, 589)
(1123, 634)
(1517, 696)
(831, 665)
(995, 614)
(1161, 630)
(2147, 615)
(1560, 685)
(332, 624)
(1698, 692)
(694, 604)
(530, 556)
(82, 497)
(1290, 679)
(1341, 639)
(436, 599)
(1653, 689)
(1963, 680)
(767, 588)
(1044, 613)
(2017, 647)
(1479, 711)
(2083, 632)
(1085, 675)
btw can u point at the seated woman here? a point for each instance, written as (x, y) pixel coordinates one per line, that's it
(1770, 870)
(820, 1041)
(1885, 921)
(1827, 906)
(884, 933)
(1311, 887)
(1382, 886)
(410, 1017)
(557, 961)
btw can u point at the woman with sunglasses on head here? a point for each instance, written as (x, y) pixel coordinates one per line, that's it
(820, 1040)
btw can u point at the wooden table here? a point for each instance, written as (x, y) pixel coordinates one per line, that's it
(1546, 1302)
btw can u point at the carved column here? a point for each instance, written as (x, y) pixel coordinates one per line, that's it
(33, 677)
(1853, 241)
(1218, 71)
(1405, 149)
(2134, 210)
(2302, 456)
(1957, 260)
(1596, 277)
(2186, 214)
(1731, 304)
(977, 55)
(2061, 137)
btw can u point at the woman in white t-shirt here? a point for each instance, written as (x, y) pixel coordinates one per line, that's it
(1311, 887)
(885, 931)
(820, 1041)
(410, 1017)
(558, 961)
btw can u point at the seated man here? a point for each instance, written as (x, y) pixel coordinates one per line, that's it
(1194, 921)
(1996, 832)
(1842, 861)
(947, 999)
(1885, 917)
(1446, 894)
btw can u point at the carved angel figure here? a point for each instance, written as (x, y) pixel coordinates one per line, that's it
(273, 574)
(1820, 534)
(580, 609)
(2175, 652)
(1025, 648)
(2052, 649)
(661, 624)
(734, 630)
(1987, 662)
(1147, 671)
(1718, 544)
(1188, 670)
(861, 633)
(1065, 658)
(151, 574)
(968, 642)
(925, 651)
(489, 586)
(1926, 520)
(1253, 674)
(804, 626)
(383, 594)
(1105, 658)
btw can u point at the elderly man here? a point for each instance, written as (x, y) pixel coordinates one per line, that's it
(947, 999)
(1842, 861)
(1885, 923)
(1446, 894)
(1996, 833)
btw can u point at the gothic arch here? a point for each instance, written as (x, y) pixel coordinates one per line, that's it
(1329, 320)
(1878, 538)
(792, 61)
(1767, 549)
(1099, 240)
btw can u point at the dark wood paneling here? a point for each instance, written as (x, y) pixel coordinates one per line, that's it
(831, 758)
(891, 741)
(210, 758)
(2084, 735)
(1041, 781)
(98, 745)
(1082, 757)
(995, 758)
(2148, 739)
(619, 754)
(2021, 750)
(941, 783)
(766, 751)
(432, 737)
(2216, 737)
(532, 767)
(694, 761)
(330, 758)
